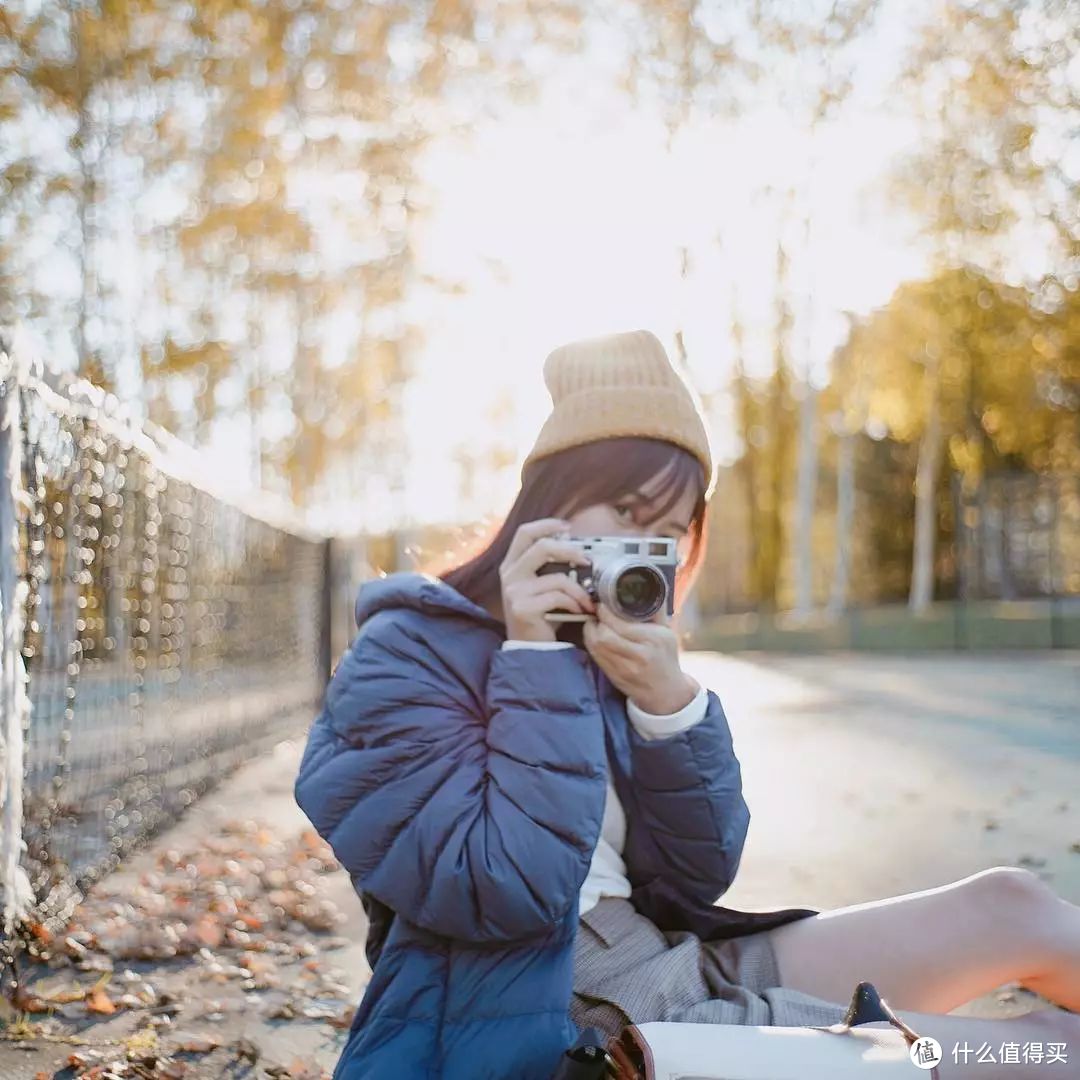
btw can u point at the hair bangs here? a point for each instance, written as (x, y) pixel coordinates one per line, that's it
(682, 472)
(611, 469)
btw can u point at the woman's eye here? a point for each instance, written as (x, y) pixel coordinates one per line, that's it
(625, 511)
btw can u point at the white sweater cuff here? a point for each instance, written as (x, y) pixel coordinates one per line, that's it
(510, 644)
(649, 726)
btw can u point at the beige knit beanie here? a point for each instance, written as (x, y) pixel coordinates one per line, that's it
(620, 385)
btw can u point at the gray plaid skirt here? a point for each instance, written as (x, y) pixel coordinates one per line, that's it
(628, 971)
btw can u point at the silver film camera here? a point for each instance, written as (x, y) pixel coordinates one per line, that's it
(633, 575)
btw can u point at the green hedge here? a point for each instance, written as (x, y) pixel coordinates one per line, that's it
(1020, 624)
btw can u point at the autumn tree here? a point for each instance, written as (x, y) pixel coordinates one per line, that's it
(976, 375)
(995, 89)
(285, 134)
(83, 89)
(698, 59)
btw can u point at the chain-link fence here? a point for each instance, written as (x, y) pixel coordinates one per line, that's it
(166, 635)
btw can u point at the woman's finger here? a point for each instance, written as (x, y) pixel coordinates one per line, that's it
(531, 531)
(534, 584)
(546, 549)
(598, 643)
(626, 628)
(660, 616)
(543, 601)
(613, 643)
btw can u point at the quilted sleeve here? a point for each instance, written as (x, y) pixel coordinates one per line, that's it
(692, 818)
(472, 813)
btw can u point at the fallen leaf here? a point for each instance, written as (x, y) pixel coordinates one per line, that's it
(245, 1048)
(63, 997)
(98, 1001)
(142, 1043)
(344, 1019)
(297, 1069)
(197, 1045)
(302, 1070)
(318, 1012)
(27, 1002)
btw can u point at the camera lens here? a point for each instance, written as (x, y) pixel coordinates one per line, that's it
(640, 592)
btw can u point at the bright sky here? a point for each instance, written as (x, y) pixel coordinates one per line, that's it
(565, 219)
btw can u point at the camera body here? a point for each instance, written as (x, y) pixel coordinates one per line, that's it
(633, 575)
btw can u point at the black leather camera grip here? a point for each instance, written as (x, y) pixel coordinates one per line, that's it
(560, 568)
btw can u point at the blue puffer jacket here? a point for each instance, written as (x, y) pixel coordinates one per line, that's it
(462, 788)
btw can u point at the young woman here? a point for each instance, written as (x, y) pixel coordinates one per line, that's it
(539, 821)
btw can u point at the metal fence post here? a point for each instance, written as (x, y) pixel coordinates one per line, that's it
(960, 555)
(14, 699)
(1056, 631)
(326, 615)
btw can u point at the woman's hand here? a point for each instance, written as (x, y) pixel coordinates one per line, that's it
(641, 659)
(527, 598)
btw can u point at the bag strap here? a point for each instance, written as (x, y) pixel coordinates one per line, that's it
(868, 1007)
(632, 1055)
(588, 1058)
(598, 1056)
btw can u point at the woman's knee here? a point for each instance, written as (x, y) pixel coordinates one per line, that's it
(1011, 887)
(1013, 882)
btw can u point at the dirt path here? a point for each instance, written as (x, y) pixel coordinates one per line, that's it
(866, 776)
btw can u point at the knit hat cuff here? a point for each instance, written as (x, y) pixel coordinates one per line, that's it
(650, 412)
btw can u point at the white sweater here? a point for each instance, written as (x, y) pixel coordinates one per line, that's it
(607, 871)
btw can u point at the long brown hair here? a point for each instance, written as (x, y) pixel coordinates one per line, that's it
(563, 483)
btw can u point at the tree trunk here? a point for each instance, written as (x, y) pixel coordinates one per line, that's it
(747, 468)
(845, 520)
(772, 547)
(922, 569)
(87, 198)
(807, 468)
(805, 493)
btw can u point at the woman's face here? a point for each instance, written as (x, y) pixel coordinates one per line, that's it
(627, 516)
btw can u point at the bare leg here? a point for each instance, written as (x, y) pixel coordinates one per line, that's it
(940, 948)
(974, 1048)
(1061, 983)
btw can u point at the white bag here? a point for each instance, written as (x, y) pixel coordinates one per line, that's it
(729, 1052)
(843, 1051)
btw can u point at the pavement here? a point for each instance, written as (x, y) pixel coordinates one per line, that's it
(867, 776)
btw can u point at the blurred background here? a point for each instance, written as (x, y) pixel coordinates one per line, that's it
(330, 244)
(277, 281)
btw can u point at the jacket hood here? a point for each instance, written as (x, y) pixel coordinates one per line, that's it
(422, 592)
